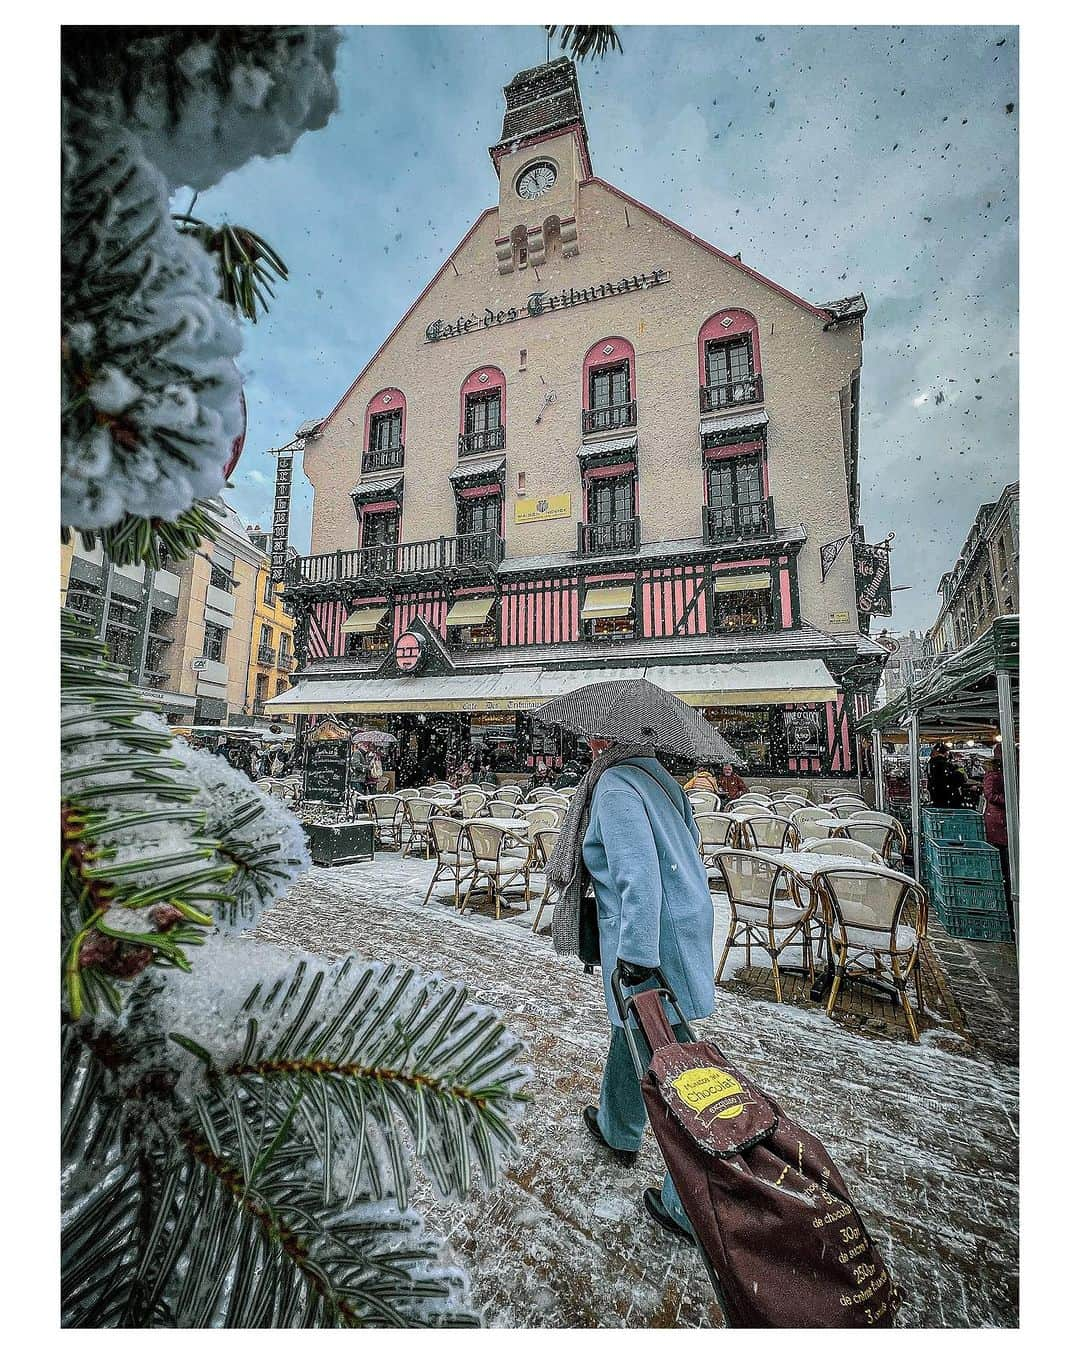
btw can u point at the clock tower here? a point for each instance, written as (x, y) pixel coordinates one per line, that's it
(541, 160)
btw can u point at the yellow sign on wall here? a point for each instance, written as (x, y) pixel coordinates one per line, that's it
(530, 509)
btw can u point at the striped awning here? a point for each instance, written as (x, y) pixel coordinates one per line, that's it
(739, 421)
(364, 620)
(608, 602)
(466, 613)
(373, 489)
(615, 445)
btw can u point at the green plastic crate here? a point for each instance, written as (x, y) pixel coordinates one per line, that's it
(964, 861)
(937, 822)
(975, 925)
(981, 896)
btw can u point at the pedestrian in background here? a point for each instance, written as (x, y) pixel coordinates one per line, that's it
(994, 818)
(731, 785)
(701, 780)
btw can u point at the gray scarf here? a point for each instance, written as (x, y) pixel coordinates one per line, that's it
(566, 869)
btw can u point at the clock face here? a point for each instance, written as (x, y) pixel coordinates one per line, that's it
(537, 179)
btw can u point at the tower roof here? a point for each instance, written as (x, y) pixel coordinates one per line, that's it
(540, 101)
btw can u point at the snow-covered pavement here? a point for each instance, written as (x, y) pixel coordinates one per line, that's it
(926, 1139)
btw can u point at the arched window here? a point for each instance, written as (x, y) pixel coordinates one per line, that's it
(729, 361)
(483, 412)
(384, 432)
(608, 386)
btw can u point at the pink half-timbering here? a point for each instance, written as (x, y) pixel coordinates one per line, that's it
(673, 600)
(714, 330)
(785, 598)
(608, 351)
(325, 636)
(428, 605)
(485, 379)
(386, 400)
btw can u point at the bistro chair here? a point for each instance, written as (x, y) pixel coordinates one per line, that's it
(499, 809)
(453, 861)
(433, 791)
(768, 833)
(842, 847)
(753, 798)
(845, 809)
(418, 813)
(878, 817)
(473, 802)
(407, 793)
(388, 815)
(544, 817)
(543, 847)
(510, 793)
(702, 802)
(876, 922)
(886, 839)
(496, 866)
(841, 794)
(814, 830)
(786, 807)
(807, 813)
(767, 909)
(539, 794)
(717, 830)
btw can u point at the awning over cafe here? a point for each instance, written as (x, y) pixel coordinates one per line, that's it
(466, 613)
(755, 581)
(733, 684)
(608, 602)
(364, 620)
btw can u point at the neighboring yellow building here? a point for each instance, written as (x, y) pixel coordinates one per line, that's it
(272, 656)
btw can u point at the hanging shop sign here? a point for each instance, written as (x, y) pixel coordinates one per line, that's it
(802, 731)
(873, 588)
(279, 538)
(831, 551)
(529, 510)
(543, 302)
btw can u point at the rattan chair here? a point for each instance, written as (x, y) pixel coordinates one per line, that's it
(473, 802)
(388, 815)
(496, 863)
(755, 798)
(876, 923)
(767, 833)
(842, 847)
(543, 847)
(498, 809)
(453, 861)
(886, 839)
(407, 793)
(433, 791)
(418, 813)
(717, 830)
(702, 802)
(768, 909)
(511, 793)
(787, 806)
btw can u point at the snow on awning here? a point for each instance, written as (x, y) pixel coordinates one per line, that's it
(608, 602)
(472, 469)
(465, 613)
(617, 445)
(364, 620)
(384, 487)
(739, 421)
(733, 684)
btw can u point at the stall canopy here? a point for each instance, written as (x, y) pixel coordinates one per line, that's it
(364, 620)
(737, 684)
(609, 602)
(466, 613)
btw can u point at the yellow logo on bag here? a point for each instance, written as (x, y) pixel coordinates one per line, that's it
(700, 1088)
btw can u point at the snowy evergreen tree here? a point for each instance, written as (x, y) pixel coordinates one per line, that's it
(240, 1125)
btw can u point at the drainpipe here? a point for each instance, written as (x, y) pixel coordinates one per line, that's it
(879, 771)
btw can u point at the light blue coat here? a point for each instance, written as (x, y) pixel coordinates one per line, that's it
(641, 849)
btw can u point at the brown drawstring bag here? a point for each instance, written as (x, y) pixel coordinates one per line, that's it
(775, 1224)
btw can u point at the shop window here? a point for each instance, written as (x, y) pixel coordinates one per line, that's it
(367, 644)
(214, 642)
(749, 731)
(474, 636)
(609, 614)
(749, 610)
(621, 629)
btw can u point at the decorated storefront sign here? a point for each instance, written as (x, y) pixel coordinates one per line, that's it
(408, 652)
(873, 587)
(831, 551)
(279, 538)
(803, 732)
(530, 510)
(543, 302)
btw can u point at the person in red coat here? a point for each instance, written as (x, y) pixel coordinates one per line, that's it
(997, 833)
(731, 785)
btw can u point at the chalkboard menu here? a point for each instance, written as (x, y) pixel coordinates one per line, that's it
(326, 771)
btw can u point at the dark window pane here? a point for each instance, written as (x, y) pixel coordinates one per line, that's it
(380, 529)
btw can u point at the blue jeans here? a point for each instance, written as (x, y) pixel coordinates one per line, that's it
(622, 1116)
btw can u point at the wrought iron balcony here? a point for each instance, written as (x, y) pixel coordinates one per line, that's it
(609, 418)
(614, 536)
(283, 661)
(396, 559)
(390, 456)
(743, 520)
(265, 655)
(480, 442)
(716, 397)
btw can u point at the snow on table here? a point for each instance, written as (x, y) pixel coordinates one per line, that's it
(926, 1139)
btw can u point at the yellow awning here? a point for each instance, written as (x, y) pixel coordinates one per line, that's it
(466, 613)
(364, 620)
(609, 602)
(758, 580)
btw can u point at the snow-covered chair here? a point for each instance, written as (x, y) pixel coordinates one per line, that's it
(716, 829)
(418, 813)
(501, 809)
(496, 866)
(769, 910)
(702, 801)
(885, 836)
(510, 793)
(767, 833)
(453, 861)
(387, 814)
(473, 802)
(876, 923)
(543, 847)
(842, 847)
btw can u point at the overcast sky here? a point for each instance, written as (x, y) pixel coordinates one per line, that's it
(834, 159)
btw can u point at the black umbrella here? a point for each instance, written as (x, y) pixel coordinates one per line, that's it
(637, 712)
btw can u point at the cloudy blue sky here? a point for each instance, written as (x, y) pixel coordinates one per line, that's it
(834, 159)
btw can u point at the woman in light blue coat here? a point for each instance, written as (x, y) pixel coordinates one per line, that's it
(655, 912)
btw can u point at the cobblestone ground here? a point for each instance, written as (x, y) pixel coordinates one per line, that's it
(926, 1138)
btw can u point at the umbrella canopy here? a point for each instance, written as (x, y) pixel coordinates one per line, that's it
(637, 712)
(372, 738)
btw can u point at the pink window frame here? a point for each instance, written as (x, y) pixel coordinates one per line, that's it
(473, 384)
(377, 406)
(712, 330)
(597, 359)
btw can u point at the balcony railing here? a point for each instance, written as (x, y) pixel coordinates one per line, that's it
(265, 655)
(744, 520)
(716, 397)
(284, 660)
(432, 555)
(480, 442)
(609, 418)
(390, 456)
(614, 536)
